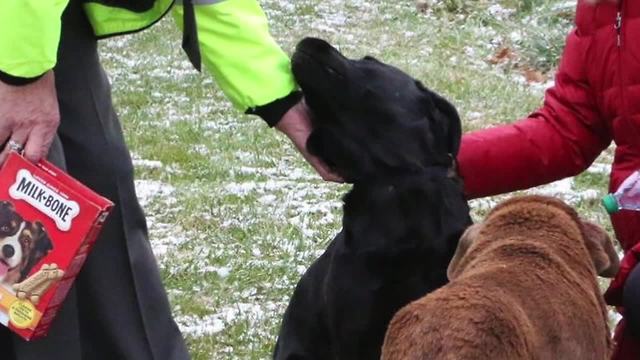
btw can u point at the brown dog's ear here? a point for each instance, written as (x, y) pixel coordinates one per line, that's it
(464, 244)
(604, 256)
(41, 245)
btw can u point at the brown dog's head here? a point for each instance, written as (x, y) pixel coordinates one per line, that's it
(596, 240)
(370, 118)
(20, 252)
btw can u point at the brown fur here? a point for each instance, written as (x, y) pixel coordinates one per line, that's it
(35, 245)
(523, 286)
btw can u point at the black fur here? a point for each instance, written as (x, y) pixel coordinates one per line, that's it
(395, 140)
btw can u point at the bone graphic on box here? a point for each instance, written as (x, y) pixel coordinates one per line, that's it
(37, 292)
(50, 202)
(37, 284)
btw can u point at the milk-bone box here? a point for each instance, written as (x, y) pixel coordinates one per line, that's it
(48, 224)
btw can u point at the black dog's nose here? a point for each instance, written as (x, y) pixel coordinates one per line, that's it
(8, 251)
(313, 45)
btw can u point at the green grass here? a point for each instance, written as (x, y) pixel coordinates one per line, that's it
(261, 214)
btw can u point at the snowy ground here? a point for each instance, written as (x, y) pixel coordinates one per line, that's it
(235, 216)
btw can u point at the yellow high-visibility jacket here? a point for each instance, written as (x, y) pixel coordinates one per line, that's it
(233, 38)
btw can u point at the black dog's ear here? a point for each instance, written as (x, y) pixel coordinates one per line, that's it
(453, 120)
(448, 119)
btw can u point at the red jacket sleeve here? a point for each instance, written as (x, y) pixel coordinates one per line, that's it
(559, 140)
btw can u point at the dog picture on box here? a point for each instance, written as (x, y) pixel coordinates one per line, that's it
(23, 244)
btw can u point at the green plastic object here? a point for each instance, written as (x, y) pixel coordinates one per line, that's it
(610, 203)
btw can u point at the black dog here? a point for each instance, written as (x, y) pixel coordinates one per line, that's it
(396, 141)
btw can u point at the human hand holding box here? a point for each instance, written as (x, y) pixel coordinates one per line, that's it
(48, 224)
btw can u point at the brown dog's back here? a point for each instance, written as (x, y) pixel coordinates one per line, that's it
(523, 287)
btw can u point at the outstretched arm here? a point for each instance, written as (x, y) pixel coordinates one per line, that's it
(251, 69)
(559, 140)
(246, 62)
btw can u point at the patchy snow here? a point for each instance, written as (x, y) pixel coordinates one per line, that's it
(221, 271)
(147, 190)
(566, 5)
(165, 237)
(154, 164)
(483, 204)
(564, 189)
(200, 326)
(214, 323)
(599, 168)
(300, 203)
(474, 116)
(500, 13)
(240, 189)
(614, 317)
(280, 170)
(140, 162)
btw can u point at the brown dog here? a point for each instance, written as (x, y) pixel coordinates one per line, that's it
(20, 252)
(523, 286)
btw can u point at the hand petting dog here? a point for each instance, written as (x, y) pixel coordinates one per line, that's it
(296, 124)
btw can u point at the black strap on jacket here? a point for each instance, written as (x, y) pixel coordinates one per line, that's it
(190, 35)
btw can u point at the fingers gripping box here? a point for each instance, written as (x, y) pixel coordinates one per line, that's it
(48, 224)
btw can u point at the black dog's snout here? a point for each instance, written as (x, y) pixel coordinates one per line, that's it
(313, 45)
(8, 251)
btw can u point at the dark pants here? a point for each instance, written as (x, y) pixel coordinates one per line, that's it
(631, 302)
(118, 309)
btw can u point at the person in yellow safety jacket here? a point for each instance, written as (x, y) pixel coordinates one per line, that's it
(55, 102)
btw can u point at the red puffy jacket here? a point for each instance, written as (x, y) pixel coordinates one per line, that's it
(596, 99)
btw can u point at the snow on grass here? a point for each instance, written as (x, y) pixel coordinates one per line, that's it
(565, 190)
(235, 216)
(148, 190)
(143, 163)
(297, 202)
(214, 323)
(600, 168)
(499, 12)
(200, 326)
(165, 237)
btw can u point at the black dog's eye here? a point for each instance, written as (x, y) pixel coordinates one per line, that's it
(5, 228)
